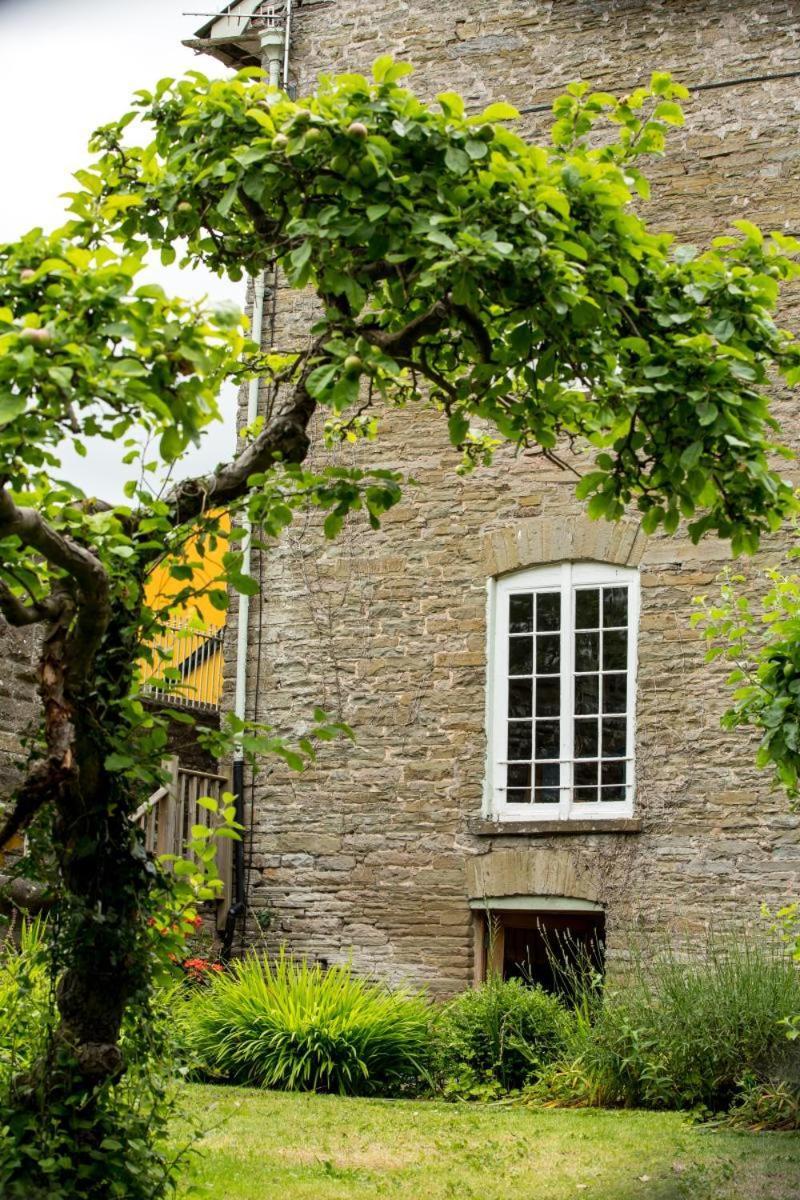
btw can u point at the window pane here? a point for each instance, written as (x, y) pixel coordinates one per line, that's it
(612, 772)
(520, 656)
(520, 742)
(615, 792)
(615, 606)
(519, 775)
(587, 608)
(587, 651)
(585, 774)
(615, 650)
(584, 795)
(548, 611)
(546, 796)
(520, 697)
(548, 655)
(517, 796)
(548, 697)
(614, 739)
(586, 745)
(547, 775)
(587, 693)
(615, 693)
(520, 614)
(547, 739)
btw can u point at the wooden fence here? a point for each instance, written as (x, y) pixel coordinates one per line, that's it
(168, 816)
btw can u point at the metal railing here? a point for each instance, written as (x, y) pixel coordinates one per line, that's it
(168, 815)
(186, 670)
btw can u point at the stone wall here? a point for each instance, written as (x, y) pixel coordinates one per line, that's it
(18, 700)
(375, 852)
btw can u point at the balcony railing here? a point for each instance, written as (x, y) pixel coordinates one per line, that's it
(187, 667)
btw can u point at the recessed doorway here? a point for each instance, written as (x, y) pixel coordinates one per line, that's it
(538, 939)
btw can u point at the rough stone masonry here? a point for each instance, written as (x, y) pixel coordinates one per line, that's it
(375, 854)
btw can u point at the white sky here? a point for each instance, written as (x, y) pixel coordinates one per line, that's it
(67, 66)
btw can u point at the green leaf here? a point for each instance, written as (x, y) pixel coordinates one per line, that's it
(670, 112)
(452, 104)
(499, 111)
(11, 407)
(118, 762)
(458, 427)
(321, 378)
(456, 160)
(332, 524)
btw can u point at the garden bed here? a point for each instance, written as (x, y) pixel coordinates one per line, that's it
(304, 1146)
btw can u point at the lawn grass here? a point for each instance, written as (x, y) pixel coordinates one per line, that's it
(293, 1146)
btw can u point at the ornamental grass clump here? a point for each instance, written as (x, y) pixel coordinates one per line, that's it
(282, 1023)
(683, 1032)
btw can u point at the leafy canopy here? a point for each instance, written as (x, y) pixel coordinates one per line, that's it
(514, 280)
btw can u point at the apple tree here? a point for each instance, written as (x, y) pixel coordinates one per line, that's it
(455, 264)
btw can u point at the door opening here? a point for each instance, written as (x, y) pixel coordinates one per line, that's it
(540, 946)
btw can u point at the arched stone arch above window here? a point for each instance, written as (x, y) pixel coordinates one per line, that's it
(562, 539)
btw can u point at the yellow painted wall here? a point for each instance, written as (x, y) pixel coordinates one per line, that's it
(199, 661)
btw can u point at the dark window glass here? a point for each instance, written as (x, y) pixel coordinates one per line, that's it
(614, 731)
(520, 615)
(520, 697)
(585, 774)
(519, 775)
(587, 608)
(615, 693)
(548, 611)
(520, 742)
(615, 606)
(548, 655)
(587, 694)
(615, 650)
(547, 775)
(546, 796)
(584, 795)
(520, 656)
(587, 651)
(518, 796)
(615, 792)
(612, 772)
(547, 739)
(548, 697)
(586, 738)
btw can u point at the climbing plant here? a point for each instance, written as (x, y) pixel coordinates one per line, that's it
(510, 286)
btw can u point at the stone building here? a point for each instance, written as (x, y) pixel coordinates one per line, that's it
(391, 851)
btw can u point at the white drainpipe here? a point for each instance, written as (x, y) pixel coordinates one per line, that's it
(275, 60)
(240, 699)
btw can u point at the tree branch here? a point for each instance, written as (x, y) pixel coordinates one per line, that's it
(20, 614)
(476, 328)
(93, 608)
(284, 438)
(401, 341)
(33, 794)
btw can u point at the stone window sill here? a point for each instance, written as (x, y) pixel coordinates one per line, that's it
(487, 828)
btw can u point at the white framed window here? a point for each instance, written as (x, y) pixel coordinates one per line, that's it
(561, 693)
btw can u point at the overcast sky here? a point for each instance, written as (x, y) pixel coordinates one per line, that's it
(67, 66)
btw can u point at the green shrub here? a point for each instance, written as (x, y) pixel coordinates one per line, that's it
(285, 1024)
(111, 1141)
(26, 1008)
(502, 1032)
(763, 1104)
(680, 1033)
